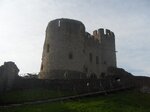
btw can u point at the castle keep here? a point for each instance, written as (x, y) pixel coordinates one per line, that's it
(69, 52)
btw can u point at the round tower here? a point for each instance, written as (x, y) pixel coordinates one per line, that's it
(63, 50)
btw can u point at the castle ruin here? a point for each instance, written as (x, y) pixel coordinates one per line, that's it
(69, 52)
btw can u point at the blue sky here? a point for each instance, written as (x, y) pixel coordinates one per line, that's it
(23, 24)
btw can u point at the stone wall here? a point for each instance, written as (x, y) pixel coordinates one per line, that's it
(63, 38)
(8, 74)
(68, 47)
(76, 85)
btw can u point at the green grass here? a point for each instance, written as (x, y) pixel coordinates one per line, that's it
(129, 101)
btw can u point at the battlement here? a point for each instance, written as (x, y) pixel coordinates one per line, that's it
(91, 38)
(69, 49)
(101, 33)
(77, 28)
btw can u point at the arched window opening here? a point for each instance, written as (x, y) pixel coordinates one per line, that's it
(117, 79)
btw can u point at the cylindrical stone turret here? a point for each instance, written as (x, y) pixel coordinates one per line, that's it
(63, 50)
(71, 53)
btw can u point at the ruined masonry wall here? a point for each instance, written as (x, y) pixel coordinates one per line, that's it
(67, 47)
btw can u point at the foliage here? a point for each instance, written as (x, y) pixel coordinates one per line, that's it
(129, 101)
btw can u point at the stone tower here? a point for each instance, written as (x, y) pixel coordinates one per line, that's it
(71, 53)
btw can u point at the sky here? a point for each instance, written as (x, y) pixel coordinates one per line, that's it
(23, 24)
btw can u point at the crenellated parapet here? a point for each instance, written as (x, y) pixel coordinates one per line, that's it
(103, 33)
(100, 35)
(71, 52)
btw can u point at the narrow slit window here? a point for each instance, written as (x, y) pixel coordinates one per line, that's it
(90, 57)
(97, 60)
(70, 55)
(105, 63)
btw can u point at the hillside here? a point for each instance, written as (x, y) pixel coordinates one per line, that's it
(125, 101)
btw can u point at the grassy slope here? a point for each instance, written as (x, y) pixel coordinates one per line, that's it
(129, 101)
